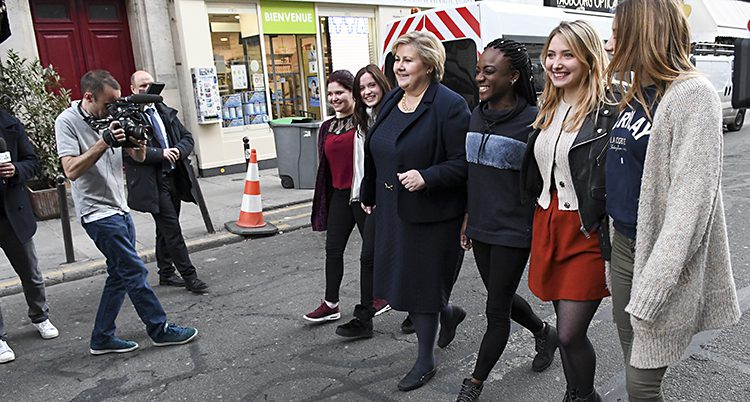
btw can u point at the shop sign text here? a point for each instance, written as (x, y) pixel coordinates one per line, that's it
(604, 6)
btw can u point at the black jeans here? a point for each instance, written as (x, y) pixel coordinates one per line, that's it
(366, 262)
(171, 250)
(342, 216)
(501, 269)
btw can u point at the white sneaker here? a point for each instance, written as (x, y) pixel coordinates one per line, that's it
(6, 353)
(47, 330)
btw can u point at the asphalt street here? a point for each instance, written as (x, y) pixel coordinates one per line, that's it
(253, 344)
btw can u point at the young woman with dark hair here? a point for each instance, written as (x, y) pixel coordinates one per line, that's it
(336, 207)
(497, 224)
(370, 85)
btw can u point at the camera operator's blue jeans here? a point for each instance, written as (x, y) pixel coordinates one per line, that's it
(114, 236)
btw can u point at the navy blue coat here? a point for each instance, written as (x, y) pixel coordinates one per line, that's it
(437, 132)
(17, 205)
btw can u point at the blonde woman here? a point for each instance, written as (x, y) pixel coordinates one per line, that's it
(563, 170)
(415, 185)
(671, 274)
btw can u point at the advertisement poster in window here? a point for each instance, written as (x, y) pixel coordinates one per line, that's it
(314, 88)
(239, 77)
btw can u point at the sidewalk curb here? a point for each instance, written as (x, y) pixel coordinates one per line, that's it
(88, 268)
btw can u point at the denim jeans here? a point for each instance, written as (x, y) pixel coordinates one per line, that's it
(114, 236)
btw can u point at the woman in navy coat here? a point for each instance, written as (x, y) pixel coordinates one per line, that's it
(415, 185)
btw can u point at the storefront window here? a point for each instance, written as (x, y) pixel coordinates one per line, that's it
(293, 75)
(239, 67)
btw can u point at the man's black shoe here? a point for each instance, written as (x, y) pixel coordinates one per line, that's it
(407, 327)
(355, 328)
(196, 286)
(171, 280)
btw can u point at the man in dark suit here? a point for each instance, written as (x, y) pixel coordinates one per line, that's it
(18, 163)
(160, 183)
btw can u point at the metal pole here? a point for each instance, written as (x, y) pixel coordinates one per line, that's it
(65, 219)
(246, 145)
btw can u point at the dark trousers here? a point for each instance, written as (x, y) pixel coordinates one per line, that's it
(342, 216)
(501, 269)
(114, 236)
(366, 262)
(22, 257)
(171, 251)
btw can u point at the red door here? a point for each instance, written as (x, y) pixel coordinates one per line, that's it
(76, 36)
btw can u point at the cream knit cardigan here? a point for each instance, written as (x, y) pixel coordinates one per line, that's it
(682, 277)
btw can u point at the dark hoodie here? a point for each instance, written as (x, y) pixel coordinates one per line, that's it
(495, 146)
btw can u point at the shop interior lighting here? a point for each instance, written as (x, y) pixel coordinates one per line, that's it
(224, 39)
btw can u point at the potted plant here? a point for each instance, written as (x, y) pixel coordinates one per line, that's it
(34, 95)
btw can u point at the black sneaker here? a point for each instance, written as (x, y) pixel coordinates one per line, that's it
(469, 391)
(355, 329)
(171, 280)
(546, 344)
(196, 286)
(407, 327)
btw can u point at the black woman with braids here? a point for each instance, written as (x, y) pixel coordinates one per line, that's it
(497, 225)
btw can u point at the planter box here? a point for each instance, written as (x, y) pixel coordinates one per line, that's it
(45, 203)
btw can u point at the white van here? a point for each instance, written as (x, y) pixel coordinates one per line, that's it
(716, 63)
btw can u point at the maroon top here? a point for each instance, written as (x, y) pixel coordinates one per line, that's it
(339, 153)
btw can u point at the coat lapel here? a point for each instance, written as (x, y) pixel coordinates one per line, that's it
(392, 102)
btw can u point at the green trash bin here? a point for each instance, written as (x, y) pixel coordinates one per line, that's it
(296, 140)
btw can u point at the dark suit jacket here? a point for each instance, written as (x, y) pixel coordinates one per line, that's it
(143, 190)
(432, 143)
(17, 205)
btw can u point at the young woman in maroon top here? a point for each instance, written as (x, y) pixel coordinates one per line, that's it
(336, 207)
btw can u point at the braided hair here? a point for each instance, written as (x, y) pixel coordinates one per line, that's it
(519, 61)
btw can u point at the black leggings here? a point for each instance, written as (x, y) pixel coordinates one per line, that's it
(576, 351)
(342, 216)
(501, 269)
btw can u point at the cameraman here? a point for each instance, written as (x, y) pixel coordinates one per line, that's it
(160, 183)
(93, 162)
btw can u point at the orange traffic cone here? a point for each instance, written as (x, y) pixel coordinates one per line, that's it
(251, 211)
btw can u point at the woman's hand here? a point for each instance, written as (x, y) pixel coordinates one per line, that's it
(465, 241)
(411, 180)
(368, 210)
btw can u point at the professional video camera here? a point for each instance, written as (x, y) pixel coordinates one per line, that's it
(129, 113)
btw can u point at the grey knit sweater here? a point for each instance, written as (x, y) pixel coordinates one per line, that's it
(682, 278)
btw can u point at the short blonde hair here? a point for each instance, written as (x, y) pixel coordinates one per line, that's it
(429, 49)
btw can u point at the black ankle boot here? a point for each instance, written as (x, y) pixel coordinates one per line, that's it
(546, 344)
(448, 327)
(414, 379)
(360, 326)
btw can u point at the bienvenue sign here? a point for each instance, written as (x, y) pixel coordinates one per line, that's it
(286, 17)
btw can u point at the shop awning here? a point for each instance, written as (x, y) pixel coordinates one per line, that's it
(712, 18)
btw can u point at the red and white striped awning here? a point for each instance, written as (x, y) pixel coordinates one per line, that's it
(448, 24)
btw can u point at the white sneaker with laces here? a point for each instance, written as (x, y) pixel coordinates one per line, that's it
(47, 330)
(6, 353)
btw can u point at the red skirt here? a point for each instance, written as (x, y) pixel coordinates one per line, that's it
(564, 264)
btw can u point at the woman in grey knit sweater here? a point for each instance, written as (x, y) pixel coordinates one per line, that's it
(670, 272)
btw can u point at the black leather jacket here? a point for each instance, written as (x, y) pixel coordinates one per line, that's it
(586, 158)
